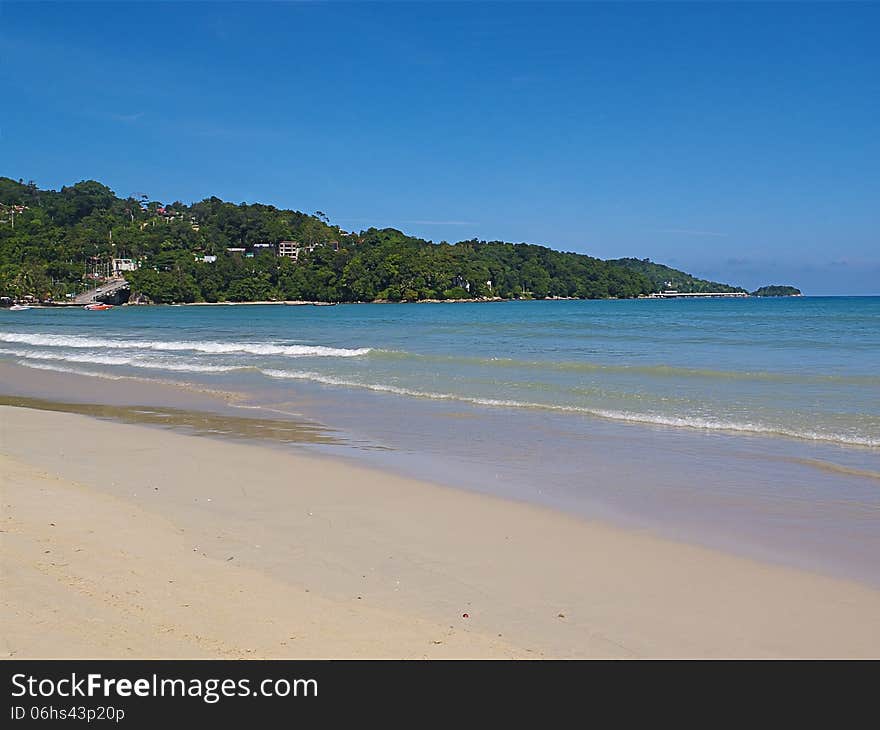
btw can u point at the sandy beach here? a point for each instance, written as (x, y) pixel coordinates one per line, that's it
(123, 540)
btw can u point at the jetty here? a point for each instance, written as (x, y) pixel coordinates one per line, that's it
(672, 294)
(115, 289)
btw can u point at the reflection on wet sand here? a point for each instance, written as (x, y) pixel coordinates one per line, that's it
(198, 423)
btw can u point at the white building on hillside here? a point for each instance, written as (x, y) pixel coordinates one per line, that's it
(120, 265)
(293, 249)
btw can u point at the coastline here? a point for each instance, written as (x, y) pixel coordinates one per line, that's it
(323, 303)
(157, 543)
(466, 300)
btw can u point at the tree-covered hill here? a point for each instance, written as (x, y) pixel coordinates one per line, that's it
(53, 243)
(664, 277)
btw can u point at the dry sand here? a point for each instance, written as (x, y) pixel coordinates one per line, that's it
(125, 540)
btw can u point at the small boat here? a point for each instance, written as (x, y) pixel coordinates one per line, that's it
(98, 307)
(18, 307)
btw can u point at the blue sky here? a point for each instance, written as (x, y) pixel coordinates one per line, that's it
(736, 141)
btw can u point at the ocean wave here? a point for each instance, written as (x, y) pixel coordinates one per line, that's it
(121, 361)
(38, 361)
(72, 371)
(208, 347)
(696, 423)
(230, 396)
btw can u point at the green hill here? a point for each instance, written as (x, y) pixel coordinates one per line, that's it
(53, 243)
(664, 277)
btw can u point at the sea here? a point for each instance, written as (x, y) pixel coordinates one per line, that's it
(747, 425)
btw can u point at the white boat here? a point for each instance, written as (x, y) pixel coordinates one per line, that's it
(18, 307)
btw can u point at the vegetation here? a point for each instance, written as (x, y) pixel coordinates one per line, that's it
(53, 243)
(663, 277)
(776, 290)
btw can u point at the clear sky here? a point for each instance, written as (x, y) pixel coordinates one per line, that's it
(737, 141)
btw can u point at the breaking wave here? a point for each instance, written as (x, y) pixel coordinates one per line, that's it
(630, 417)
(208, 347)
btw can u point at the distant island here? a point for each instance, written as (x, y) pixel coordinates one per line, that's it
(55, 245)
(776, 291)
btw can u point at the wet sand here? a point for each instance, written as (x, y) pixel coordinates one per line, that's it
(124, 540)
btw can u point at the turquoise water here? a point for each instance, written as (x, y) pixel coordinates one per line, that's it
(803, 368)
(749, 424)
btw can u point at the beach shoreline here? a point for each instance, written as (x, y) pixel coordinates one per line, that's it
(123, 540)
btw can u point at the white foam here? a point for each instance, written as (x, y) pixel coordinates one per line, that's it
(209, 347)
